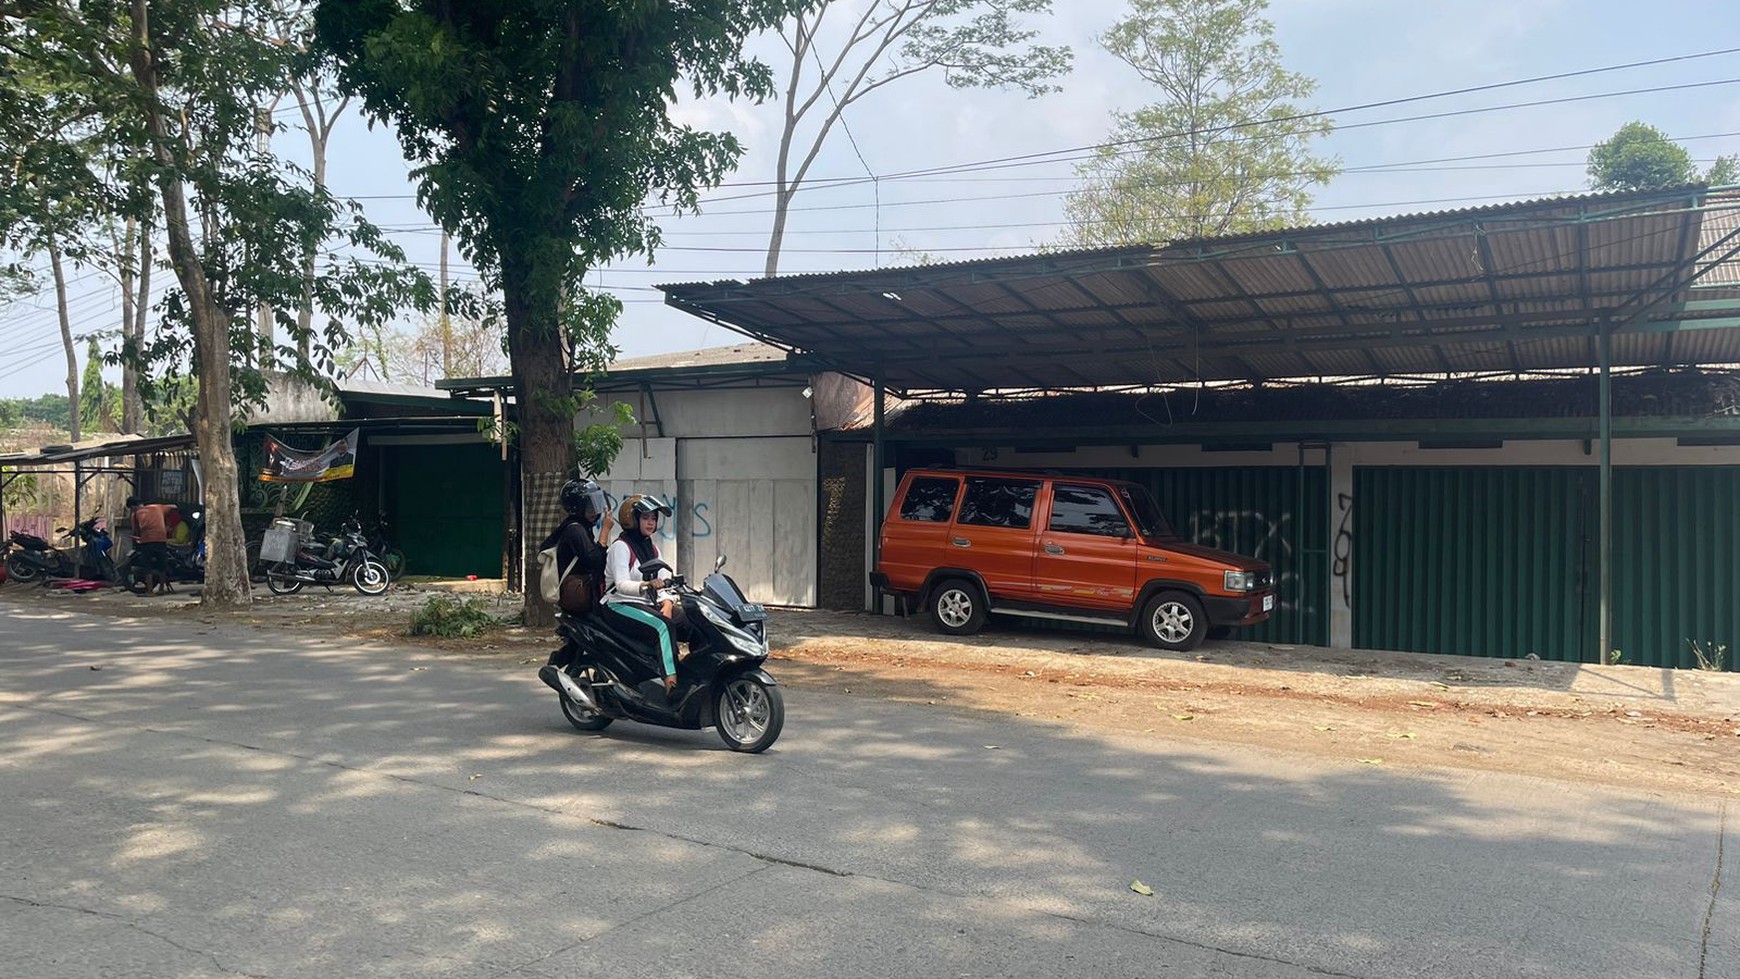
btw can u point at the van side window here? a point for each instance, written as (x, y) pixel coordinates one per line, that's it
(930, 498)
(999, 503)
(1086, 510)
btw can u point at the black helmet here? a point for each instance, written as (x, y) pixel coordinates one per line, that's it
(580, 494)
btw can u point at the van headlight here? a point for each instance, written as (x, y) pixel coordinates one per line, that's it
(1240, 580)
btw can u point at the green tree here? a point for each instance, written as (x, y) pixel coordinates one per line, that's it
(539, 128)
(1724, 172)
(170, 92)
(1224, 150)
(974, 43)
(1639, 157)
(99, 401)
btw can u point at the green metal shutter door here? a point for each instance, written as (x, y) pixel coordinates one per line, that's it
(1475, 562)
(1252, 510)
(448, 508)
(1676, 563)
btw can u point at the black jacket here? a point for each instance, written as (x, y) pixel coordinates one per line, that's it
(574, 539)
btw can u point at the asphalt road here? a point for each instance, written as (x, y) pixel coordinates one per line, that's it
(224, 802)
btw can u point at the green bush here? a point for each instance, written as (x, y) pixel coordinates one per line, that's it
(443, 615)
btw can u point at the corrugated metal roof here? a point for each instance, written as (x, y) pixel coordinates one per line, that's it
(98, 448)
(1499, 287)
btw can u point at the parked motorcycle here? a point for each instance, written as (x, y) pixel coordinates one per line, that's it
(720, 684)
(33, 559)
(380, 542)
(347, 558)
(186, 557)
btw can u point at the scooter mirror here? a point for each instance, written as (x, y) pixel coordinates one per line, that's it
(719, 563)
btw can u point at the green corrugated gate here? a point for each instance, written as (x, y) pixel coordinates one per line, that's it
(1255, 510)
(1503, 562)
(1676, 563)
(1488, 562)
(447, 507)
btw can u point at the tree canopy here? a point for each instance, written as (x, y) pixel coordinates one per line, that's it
(1639, 157)
(1226, 149)
(834, 64)
(153, 110)
(538, 130)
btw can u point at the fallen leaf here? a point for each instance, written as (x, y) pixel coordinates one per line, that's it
(476, 777)
(1184, 717)
(1403, 736)
(1371, 761)
(1440, 686)
(1322, 727)
(1141, 888)
(1428, 704)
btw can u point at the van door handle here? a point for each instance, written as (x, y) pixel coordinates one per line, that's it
(1053, 549)
(961, 542)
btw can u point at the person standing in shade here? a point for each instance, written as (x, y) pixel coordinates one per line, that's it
(151, 544)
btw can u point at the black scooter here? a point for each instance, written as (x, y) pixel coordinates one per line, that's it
(34, 559)
(720, 683)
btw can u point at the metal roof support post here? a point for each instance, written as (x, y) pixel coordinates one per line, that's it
(1604, 627)
(78, 514)
(877, 504)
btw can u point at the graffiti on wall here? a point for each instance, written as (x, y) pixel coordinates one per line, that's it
(703, 528)
(1341, 557)
(1258, 535)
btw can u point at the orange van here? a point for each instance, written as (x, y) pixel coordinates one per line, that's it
(965, 544)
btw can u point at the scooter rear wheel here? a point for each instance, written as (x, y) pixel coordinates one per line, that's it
(20, 570)
(749, 714)
(581, 718)
(278, 580)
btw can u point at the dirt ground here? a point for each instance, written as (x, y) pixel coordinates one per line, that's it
(1619, 725)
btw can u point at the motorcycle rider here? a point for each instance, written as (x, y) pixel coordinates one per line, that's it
(627, 597)
(583, 554)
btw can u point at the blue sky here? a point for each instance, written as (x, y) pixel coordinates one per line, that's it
(1360, 51)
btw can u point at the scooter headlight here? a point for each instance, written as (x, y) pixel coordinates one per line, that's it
(743, 641)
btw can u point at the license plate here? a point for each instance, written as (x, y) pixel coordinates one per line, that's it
(1268, 603)
(751, 613)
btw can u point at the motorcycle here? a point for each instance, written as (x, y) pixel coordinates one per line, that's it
(720, 684)
(186, 558)
(346, 558)
(34, 559)
(382, 545)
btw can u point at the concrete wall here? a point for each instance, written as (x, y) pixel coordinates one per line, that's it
(738, 467)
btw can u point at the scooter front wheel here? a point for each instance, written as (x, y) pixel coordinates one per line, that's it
(279, 580)
(749, 714)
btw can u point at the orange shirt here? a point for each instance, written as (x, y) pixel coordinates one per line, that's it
(150, 525)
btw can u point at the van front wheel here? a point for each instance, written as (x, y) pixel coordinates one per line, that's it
(956, 608)
(1174, 620)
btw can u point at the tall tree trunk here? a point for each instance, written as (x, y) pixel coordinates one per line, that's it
(132, 412)
(140, 308)
(542, 390)
(226, 575)
(66, 339)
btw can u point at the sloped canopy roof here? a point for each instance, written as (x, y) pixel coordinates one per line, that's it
(1512, 287)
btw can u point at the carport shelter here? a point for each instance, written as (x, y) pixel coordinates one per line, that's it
(1493, 532)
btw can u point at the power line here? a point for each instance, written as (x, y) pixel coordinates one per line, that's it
(1072, 153)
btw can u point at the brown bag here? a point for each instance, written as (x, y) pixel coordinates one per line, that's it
(579, 594)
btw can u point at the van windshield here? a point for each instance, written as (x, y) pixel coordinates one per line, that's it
(1150, 522)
